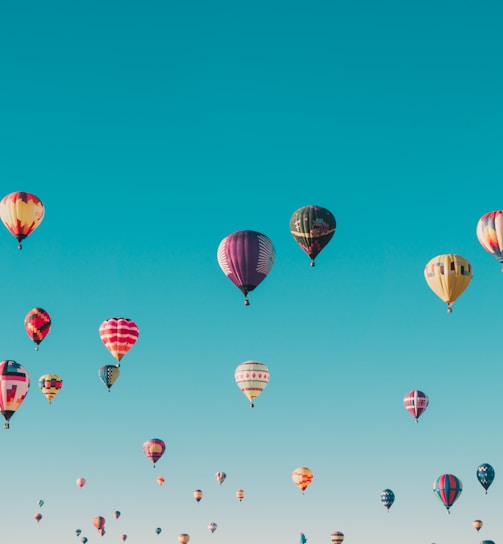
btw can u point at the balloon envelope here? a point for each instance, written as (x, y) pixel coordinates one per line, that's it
(161, 480)
(154, 449)
(37, 517)
(99, 522)
(183, 538)
(251, 377)
(117, 514)
(240, 494)
(302, 478)
(108, 374)
(198, 495)
(158, 530)
(303, 538)
(81, 482)
(37, 324)
(123, 538)
(490, 233)
(119, 335)
(337, 536)
(415, 403)
(447, 489)
(50, 385)
(14, 386)
(212, 527)
(477, 524)
(220, 477)
(387, 498)
(21, 213)
(485, 475)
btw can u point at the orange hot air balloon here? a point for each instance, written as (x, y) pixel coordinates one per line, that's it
(154, 449)
(21, 213)
(50, 385)
(302, 478)
(37, 323)
(240, 494)
(119, 335)
(99, 523)
(198, 495)
(183, 538)
(477, 524)
(160, 480)
(81, 482)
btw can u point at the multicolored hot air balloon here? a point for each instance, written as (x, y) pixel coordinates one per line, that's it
(448, 276)
(312, 227)
(198, 495)
(251, 377)
(108, 374)
(485, 475)
(183, 538)
(123, 538)
(160, 480)
(246, 258)
(119, 335)
(99, 523)
(38, 517)
(50, 385)
(415, 403)
(37, 323)
(490, 233)
(387, 498)
(220, 477)
(117, 514)
(337, 537)
(21, 213)
(81, 482)
(447, 489)
(212, 527)
(14, 386)
(477, 524)
(302, 478)
(240, 494)
(154, 449)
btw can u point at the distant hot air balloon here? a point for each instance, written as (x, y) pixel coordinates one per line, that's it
(220, 476)
(108, 374)
(448, 276)
(160, 480)
(198, 495)
(119, 335)
(78, 532)
(81, 482)
(485, 475)
(240, 494)
(21, 213)
(337, 537)
(50, 385)
(37, 323)
(14, 385)
(83, 540)
(312, 227)
(447, 489)
(183, 538)
(117, 514)
(99, 523)
(158, 530)
(154, 449)
(477, 524)
(490, 233)
(303, 538)
(302, 478)
(123, 538)
(41, 503)
(38, 517)
(246, 258)
(212, 527)
(251, 377)
(487, 542)
(387, 498)
(416, 403)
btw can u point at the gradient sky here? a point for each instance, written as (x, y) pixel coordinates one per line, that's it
(151, 130)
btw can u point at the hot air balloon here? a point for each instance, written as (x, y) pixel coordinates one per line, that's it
(119, 335)
(14, 385)
(78, 532)
(123, 538)
(21, 213)
(477, 524)
(117, 514)
(154, 449)
(485, 475)
(50, 385)
(160, 480)
(240, 494)
(212, 527)
(220, 476)
(337, 536)
(448, 276)
(447, 488)
(487, 542)
(312, 227)
(38, 517)
(158, 530)
(83, 540)
(246, 258)
(302, 478)
(251, 377)
(99, 523)
(490, 233)
(198, 495)
(37, 323)
(81, 482)
(415, 403)
(183, 538)
(387, 498)
(108, 374)
(303, 538)
(41, 503)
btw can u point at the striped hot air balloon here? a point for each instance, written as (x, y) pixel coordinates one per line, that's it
(50, 385)
(251, 377)
(154, 449)
(198, 495)
(220, 477)
(119, 335)
(447, 489)
(415, 403)
(387, 498)
(490, 233)
(337, 537)
(302, 478)
(485, 475)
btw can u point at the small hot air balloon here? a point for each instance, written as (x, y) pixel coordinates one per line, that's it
(99, 523)
(448, 276)
(160, 480)
(154, 449)
(119, 335)
(37, 323)
(490, 233)
(50, 385)
(487, 542)
(485, 475)
(158, 530)
(108, 374)
(477, 524)
(38, 517)
(117, 514)
(447, 489)
(183, 538)
(83, 540)
(302, 478)
(14, 385)
(21, 213)
(387, 498)
(81, 482)
(78, 532)
(415, 403)
(246, 257)
(212, 527)
(303, 538)
(337, 536)
(123, 538)
(198, 495)
(41, 503)
(312, 227)
(220, 476)
(240, 494)
(251, 377)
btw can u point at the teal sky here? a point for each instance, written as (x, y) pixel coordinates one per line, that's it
(153, 130)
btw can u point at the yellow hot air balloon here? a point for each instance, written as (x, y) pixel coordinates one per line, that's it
(50, 385)
(337, 537)
(477, 524)
(21, 213)
(240, 494)
(302, 478)
(448, 276)
(198, 495)
(251, 377)
(183, 538)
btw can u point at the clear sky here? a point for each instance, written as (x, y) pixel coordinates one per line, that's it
(153, 129)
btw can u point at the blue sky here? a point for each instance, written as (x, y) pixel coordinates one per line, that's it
(151, 131)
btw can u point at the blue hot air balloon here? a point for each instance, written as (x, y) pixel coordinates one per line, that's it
(447, 488)
(387, 498)
(485, 475)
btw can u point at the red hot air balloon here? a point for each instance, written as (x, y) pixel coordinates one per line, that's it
(81, 482)
(37, 323)
(154, 449)
(246, 257)
(14, 386)
(21, 213)
(490, 233)
(99, 523)
(119, 335)
(447, 489)
(415, 403)
(38, 517)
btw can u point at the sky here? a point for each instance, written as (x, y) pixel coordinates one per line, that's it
(151, 130)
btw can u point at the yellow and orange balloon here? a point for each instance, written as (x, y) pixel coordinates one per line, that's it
(302, 478)
(21, 213)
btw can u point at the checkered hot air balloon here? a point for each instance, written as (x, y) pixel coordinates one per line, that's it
(14, 386)
(302, 478)
(415, 403)
(108, 374)
(154, 449)
(50, 385)
(119, 335)
(485, 475)
(447, 489)
(37, 324)
(251, 377)
(387, 498)
(21, 213)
